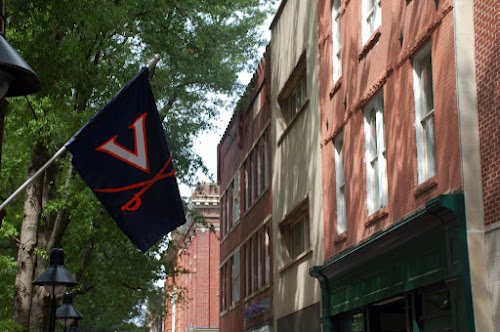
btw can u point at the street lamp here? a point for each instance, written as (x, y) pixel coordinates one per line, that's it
(74, 327)
(66, 314)
(55, 279)
(16, 76)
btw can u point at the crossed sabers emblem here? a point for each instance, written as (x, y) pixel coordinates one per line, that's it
(138, 159)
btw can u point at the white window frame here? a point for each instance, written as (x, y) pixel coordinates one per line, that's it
(247, 193)
(257, 104)
(337, 41)
(223, 214)
(375, 158)
(259, 169)
(259, 261)
(297, 98)
(424, 114)
(372, 18)
(251, 172)
(340, 185)
(247, 269)
(236, 198)
(267, 255)
(228, 214)
(235, 277)
(266, 160)
(252, 265)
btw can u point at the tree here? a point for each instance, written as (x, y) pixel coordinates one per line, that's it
(83, 57)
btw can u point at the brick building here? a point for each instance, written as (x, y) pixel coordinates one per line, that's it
(404, 226)
(244, 166)
(487, 63)
(194, 295)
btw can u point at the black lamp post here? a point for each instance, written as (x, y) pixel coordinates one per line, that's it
(66, 314)
(16, 76)
(55, 279)
(74, 327)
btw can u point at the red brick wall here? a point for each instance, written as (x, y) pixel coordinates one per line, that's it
(365, 72)
(237, 142)
(487, 38)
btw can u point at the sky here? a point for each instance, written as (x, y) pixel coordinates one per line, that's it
(206, 144)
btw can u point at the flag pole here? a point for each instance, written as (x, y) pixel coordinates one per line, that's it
(42, 169)
(151, 65)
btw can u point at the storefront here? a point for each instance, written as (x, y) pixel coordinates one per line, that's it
(413, 276)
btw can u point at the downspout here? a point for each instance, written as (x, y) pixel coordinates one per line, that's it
(316, 272)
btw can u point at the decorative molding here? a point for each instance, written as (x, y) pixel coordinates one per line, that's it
(370, 44)
(377, 216)
(424, 34)
(336, 87)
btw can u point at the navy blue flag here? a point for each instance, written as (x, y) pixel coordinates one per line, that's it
(123, 156)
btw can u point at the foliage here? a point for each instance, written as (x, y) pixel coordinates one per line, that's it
(83, 57)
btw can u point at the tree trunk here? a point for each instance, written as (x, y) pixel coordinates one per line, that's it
(26, 258)
(3, 113)
(49, 236)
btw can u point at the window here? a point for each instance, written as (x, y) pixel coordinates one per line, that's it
(224, 287)
(336, 38)
(252, 265)
(257, 104)
(424, 115)
(266, 160)
(259, 169)
(251, 177)
(297, 99)
(372, 18)
(248, 290)
(236, 198)
(267, 255)
(228, 215)
(295, 230)
(235, 276)
(256, 171)
(259, 262)
(375, 160)
(293, 96)
(340, 186)
(247, 178)
(223, 214)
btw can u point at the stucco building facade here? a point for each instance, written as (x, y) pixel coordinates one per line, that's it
(296, 176)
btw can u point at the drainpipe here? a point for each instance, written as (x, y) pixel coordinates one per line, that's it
(316, 272)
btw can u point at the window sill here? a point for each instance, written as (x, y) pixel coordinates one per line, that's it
(377, 216)
(370, 44)
(425, 186)
(257, 292)
(336, 87)
(341, 238)
(257, 199)
(292, 122)
(230, 230)
(296, 260)
(234, 305)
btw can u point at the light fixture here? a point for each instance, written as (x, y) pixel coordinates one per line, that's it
(16, 76)
(55, 279)
(74, 327)
(66, 314)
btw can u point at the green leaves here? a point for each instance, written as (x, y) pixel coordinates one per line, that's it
(84, 52)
